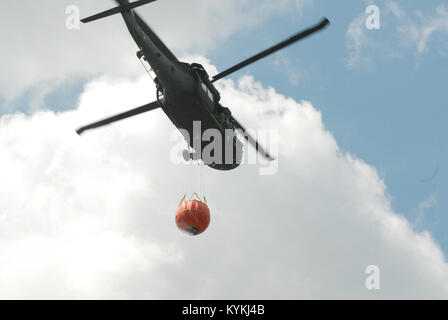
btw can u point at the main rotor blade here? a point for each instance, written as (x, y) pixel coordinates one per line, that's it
(253, 141)
(116, 10)
(273, 49)
(118, 117)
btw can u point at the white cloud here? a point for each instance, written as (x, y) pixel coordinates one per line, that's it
(93, 217)
(285, 65)
(418, 30)
(421, 212)
(356, 42)
(42, 51)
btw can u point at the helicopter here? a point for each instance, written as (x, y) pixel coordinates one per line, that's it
(187, 94)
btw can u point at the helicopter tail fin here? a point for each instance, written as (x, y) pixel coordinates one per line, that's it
(124, 6)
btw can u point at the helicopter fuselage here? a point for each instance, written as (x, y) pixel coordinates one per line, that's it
(185, 94)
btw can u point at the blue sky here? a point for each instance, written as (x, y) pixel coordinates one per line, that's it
(381, 94)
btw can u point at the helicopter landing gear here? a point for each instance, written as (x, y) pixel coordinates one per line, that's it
(188, 156)
(140, 54)
(160, 94)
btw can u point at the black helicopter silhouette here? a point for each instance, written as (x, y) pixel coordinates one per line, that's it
(186, 93)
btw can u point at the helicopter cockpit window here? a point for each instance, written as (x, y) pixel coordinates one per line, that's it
(199, 69)
(206, 90)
